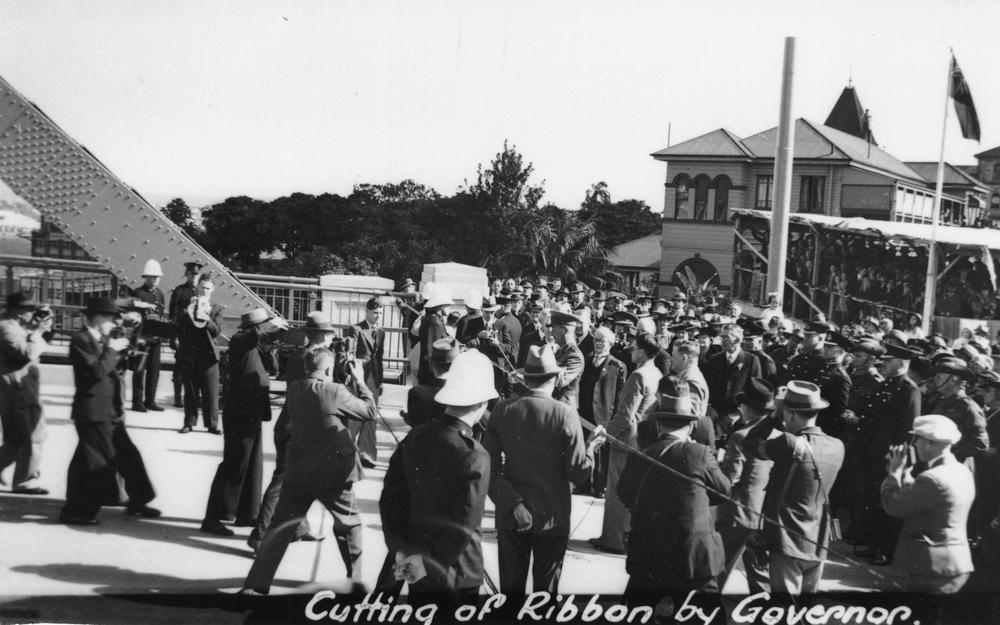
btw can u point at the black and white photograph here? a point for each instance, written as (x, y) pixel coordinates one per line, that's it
(429, 312)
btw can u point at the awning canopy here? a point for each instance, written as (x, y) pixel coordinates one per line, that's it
(915, 234)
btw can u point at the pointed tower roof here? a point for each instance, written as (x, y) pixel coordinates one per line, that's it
(849, 116)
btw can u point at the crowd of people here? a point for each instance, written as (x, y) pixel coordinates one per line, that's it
(715, 439)
(859, 275)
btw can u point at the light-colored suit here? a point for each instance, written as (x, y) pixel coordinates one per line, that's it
(934, 507)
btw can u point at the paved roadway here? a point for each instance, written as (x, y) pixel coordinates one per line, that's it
(131, 570)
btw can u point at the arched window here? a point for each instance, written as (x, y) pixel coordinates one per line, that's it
(701, 185)
(703, 271)
(722, 186)
(682, 185)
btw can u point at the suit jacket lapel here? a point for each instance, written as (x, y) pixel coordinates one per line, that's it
(366, 333)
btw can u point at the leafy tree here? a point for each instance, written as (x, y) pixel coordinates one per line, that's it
(617, 222)
(239, 230)
(179, 212)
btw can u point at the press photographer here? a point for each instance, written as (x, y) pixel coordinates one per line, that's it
(25, 329)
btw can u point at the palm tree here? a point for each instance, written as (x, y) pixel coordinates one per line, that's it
(559, 243)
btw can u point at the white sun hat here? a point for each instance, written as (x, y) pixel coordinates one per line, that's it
(469, 382)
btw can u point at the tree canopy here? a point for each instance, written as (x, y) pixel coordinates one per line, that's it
(392, 229)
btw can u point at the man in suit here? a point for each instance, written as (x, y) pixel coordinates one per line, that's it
(322, 465)
(600, 388)
(236, 488)
(684, 368)
(806, 463)
(508, 329)
(180, 297)
(563, 327)
(319, 333)
(728, 373)
(739, 521)
(673, 548)
(104, 449)
(421, 405)
(23, 331)
(532, 332)
(934, 507)
(199, 357)
(435, 490)
(432, 328)
(370, 341)
(146, 376)
(537, 453)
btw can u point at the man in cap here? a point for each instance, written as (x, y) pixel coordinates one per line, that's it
(421, 407)
(806, 463)
(146, 376)
(370, 341)
(885, 421)
(180, 298)
(753, 343)
(435, 491)
(322, 465)
(408, 302)
(624, 325)
(807, 364)
(432, 328)
(563, 329)
(532, 333)
(835, 387)
(104, 449)
(236, 489)
(673, 548)
(601, 385)
(933, 548)
(578, 301)
(319, 333)
(503, 343)
(740, 520)
(951, 377)
(537, 453)
(23, 332)
(198, 355)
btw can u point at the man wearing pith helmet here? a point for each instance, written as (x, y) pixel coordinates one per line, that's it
(435, 491)
(147, 375)
(806, 463)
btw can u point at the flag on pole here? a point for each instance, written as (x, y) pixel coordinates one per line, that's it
(965, 110)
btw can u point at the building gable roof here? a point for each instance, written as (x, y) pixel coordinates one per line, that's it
(953, 174)
(718, 143)
(991, 153)
(643, 252)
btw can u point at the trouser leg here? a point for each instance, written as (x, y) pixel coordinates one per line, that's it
(223, 498)
(192, 393)
(548, 553)
(514, 552)
(248, 505)
(346, 527)
(292, 506)
(152, 377)
(210, 396)
(132, 468)
(90, 479)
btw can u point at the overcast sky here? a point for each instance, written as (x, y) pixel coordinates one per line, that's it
(208, 99)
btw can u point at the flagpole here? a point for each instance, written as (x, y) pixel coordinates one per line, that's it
(930, 294)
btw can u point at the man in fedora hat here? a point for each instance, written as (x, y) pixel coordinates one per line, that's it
(421, 407)
(198, 356)
(236, 489)
(319, 334)
(885, 421)
(180, 298)
(104, 449)
(673, 548)
(434, 494)
(23, 332)
(740, 520)
(322, 465)
(538, 453)
(146, 376)
(952, 376)
(806, 463)
(933, 549)
(370, 341)
(563, 329)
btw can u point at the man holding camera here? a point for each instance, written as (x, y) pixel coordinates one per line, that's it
(23, 328)
(104, 448)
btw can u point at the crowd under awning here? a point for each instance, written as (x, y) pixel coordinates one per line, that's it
(913, 233)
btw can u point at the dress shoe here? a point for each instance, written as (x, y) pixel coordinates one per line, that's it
(245, 523)
(367, 462)
(309, 538)
(178, 404)
(215, 431)
(184, 430)
(70, 519)
(598, 494)
(143, 511)
(139, 408)
(214, 527)
(32, 490)
(154, 407)
(597, 544)
(254, 540)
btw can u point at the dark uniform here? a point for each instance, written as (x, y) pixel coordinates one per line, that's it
(835, 387)
(971, 422)
(104, 446)
(146, 376)
(804, 366)
(863, 385)
(180, 298)
(421, 407)
(768, 367)
(885, 421)
(432, 504)
(236, 489)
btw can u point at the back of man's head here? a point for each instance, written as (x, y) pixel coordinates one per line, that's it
(318, 361)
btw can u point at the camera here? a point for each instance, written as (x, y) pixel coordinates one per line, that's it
(41, 314)
(343, 349)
